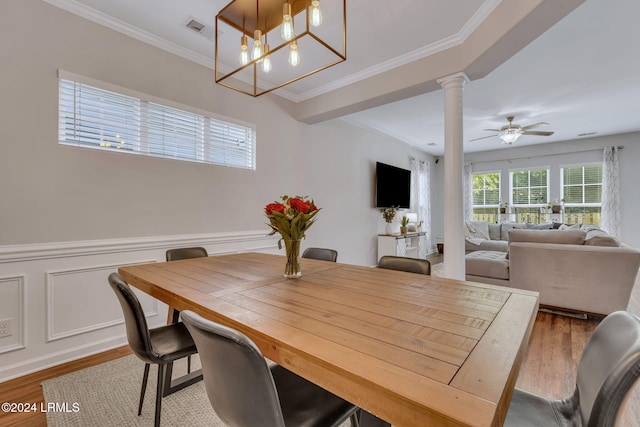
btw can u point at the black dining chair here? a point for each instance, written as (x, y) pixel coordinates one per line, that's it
(186, 253)
(321, 253)
(412, 265)
(177, 255)
(609, 367)
(245, 391)
(160, 346)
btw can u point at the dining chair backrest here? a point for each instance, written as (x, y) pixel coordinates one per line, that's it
(412, 265)
(138, 334)
(322, 254)
(186, 253)
(609, 366)
(237, 377)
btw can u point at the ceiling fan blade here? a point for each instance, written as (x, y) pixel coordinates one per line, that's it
(534, 132)
(535, 125)
(493, 130)
(484, 137)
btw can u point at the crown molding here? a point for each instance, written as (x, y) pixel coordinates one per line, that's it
(108, 21)
(447, 43)
(101, 18)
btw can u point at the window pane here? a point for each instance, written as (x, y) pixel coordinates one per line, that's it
(593, 193)
(593, 175)
(520, 179)
(486, 189)
(538, 178)
(573, 194)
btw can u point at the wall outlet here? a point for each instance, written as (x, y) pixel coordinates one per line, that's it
(6, 328)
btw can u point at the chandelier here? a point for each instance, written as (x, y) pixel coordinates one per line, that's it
(263, 45)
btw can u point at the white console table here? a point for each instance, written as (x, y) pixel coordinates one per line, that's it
(411, 245)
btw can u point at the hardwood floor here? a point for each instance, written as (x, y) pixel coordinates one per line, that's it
(549, 367)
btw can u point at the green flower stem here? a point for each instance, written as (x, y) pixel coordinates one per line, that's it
(292, 269)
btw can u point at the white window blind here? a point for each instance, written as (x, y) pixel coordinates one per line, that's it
(582, 185)
(98, 118)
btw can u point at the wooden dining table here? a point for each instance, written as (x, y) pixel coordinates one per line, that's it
(411, 349)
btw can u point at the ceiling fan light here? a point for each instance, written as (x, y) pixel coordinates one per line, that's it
(509, 137)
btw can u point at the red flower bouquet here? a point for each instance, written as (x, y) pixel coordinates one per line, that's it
(291, 218)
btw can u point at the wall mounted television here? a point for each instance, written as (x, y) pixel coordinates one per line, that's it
(393, 186)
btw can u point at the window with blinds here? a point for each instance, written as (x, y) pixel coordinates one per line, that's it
(582, 193)
(486, 196)
(97, 118)
(529, 187)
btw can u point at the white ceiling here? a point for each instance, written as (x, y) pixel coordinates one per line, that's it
(580, 76)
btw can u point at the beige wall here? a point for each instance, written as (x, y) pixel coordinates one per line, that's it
(54, 193)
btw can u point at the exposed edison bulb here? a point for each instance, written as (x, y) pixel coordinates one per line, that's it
(257, 45)
(266, 61)
(294, 55)
(287, 31)
(244, 51)
(315, 14)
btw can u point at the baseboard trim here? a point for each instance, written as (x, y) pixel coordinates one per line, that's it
(37, 364)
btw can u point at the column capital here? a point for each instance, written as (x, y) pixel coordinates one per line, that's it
(453, 79)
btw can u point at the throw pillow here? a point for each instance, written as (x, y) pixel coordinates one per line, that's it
(481, 229)
(545, 226)
(569, 227)
(504, 229)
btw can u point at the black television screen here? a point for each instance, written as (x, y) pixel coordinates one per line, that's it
(393, 186)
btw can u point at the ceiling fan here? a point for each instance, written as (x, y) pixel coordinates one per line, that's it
(511, 132)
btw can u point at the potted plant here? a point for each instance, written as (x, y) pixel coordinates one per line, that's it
(388, 214)
(403, 225)
(503, 207)
(556, 205)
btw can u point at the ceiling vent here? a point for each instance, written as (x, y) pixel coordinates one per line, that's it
(200, 28)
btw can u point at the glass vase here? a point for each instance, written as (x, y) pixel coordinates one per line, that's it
(292, 269)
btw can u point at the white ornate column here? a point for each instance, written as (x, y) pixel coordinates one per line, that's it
(453, 176)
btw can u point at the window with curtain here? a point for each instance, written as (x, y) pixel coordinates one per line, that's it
(582, 194)
(94, 117)
(529, 192)
(486, 196)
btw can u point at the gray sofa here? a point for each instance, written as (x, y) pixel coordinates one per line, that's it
(584, 270)
(483, 236)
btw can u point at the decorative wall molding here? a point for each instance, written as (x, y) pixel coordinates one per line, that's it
(50, 280)
(32, 252)
(19, 320)
(64, 285)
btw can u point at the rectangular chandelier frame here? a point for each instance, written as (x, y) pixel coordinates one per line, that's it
(247, 16)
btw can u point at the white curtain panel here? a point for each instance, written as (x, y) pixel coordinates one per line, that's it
(420, 200)
(610, 220)
(468, 191)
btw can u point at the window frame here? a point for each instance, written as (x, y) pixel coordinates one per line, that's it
(150, 125)
(540, 203)
(568, 206)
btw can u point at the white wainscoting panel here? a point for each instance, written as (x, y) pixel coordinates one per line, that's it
(12, 308)
(60, 302)
(80, 300)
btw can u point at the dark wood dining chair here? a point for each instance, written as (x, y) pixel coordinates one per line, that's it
(608, 368)
(321, 253)
(245, 391)
(412, 265)
(160, 346)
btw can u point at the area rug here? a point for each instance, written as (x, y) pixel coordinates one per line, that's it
(437, 269)
(106, 395)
